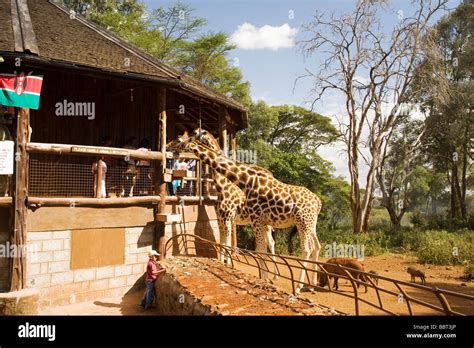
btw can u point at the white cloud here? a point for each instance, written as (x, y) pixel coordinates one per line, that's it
(249, 37)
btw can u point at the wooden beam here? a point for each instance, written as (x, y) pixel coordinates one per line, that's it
(18, 263)
(82, 150)
(6, 201)
(160, 168)
(37, 202)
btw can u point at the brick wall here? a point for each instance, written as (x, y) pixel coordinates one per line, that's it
(48, 267)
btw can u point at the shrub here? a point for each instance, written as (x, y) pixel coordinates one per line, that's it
(444, 248)
(469, 271)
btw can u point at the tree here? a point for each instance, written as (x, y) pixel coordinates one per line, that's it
(399, 172)
(286, 139)
(371, 70)
(206, 59)
(450, 121)
(177, 25)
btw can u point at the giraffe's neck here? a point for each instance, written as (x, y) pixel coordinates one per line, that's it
(235, 172)
(219, 180)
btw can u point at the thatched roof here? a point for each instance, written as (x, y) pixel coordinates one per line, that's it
(42, 31)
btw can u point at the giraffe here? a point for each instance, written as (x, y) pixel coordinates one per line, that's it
(270, 202)
(231, 205)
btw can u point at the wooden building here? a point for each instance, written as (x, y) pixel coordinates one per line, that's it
(80, 245)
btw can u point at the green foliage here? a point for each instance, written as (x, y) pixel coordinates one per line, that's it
(445, 248)
(205, 59)
(448, 127)
(441, 222)
(286, 139)
(469, 271)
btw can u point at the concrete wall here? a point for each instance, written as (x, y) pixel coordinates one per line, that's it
(49, 261)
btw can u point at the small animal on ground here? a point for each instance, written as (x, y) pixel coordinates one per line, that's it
(374, 278)
(345, 262)
(414, 272)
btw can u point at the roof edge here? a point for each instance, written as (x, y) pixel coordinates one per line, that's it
(155, 62)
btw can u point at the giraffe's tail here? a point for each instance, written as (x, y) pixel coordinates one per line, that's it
(292, 233)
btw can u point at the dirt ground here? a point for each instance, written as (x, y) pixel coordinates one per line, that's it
(126, 305)
(393, 266)
(242, 297)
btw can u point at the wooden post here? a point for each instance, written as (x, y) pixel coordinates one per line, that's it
(199, 180)
(160, 166)
(98, 179)
(18, 237)
(233, 144)
(223, 131)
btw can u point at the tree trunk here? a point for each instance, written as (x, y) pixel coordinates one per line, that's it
(457, 190)
(434, 207)
(355, 189)
(394, 218)
(453, 193)
(365, 225)
(462, 201)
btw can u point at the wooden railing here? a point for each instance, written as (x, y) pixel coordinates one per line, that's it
(47, 167)
(288, 268)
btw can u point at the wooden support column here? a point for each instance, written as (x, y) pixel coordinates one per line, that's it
(160, 184)
(233, 144)
(98, 179)
(223, 130)
(20, 193)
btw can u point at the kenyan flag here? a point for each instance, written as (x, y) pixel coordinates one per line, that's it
(20, 90)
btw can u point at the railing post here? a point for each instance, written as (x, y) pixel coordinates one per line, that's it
(443, 300)
(356, 292)
(405, 296)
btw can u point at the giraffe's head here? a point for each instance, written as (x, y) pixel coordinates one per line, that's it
(206, 138)
(183, 143)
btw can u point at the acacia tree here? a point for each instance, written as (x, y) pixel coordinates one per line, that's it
(373, 70)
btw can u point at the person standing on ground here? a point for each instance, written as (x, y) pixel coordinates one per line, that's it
(152, 274)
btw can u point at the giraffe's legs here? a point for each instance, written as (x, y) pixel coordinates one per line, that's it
(225, 229)
(228, 237)
(271, 245)
(317, 248)
(260, 231)
(307, 245)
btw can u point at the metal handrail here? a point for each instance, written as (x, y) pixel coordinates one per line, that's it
(260, 262)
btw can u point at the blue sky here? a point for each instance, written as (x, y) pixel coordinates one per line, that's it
(272, 73)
